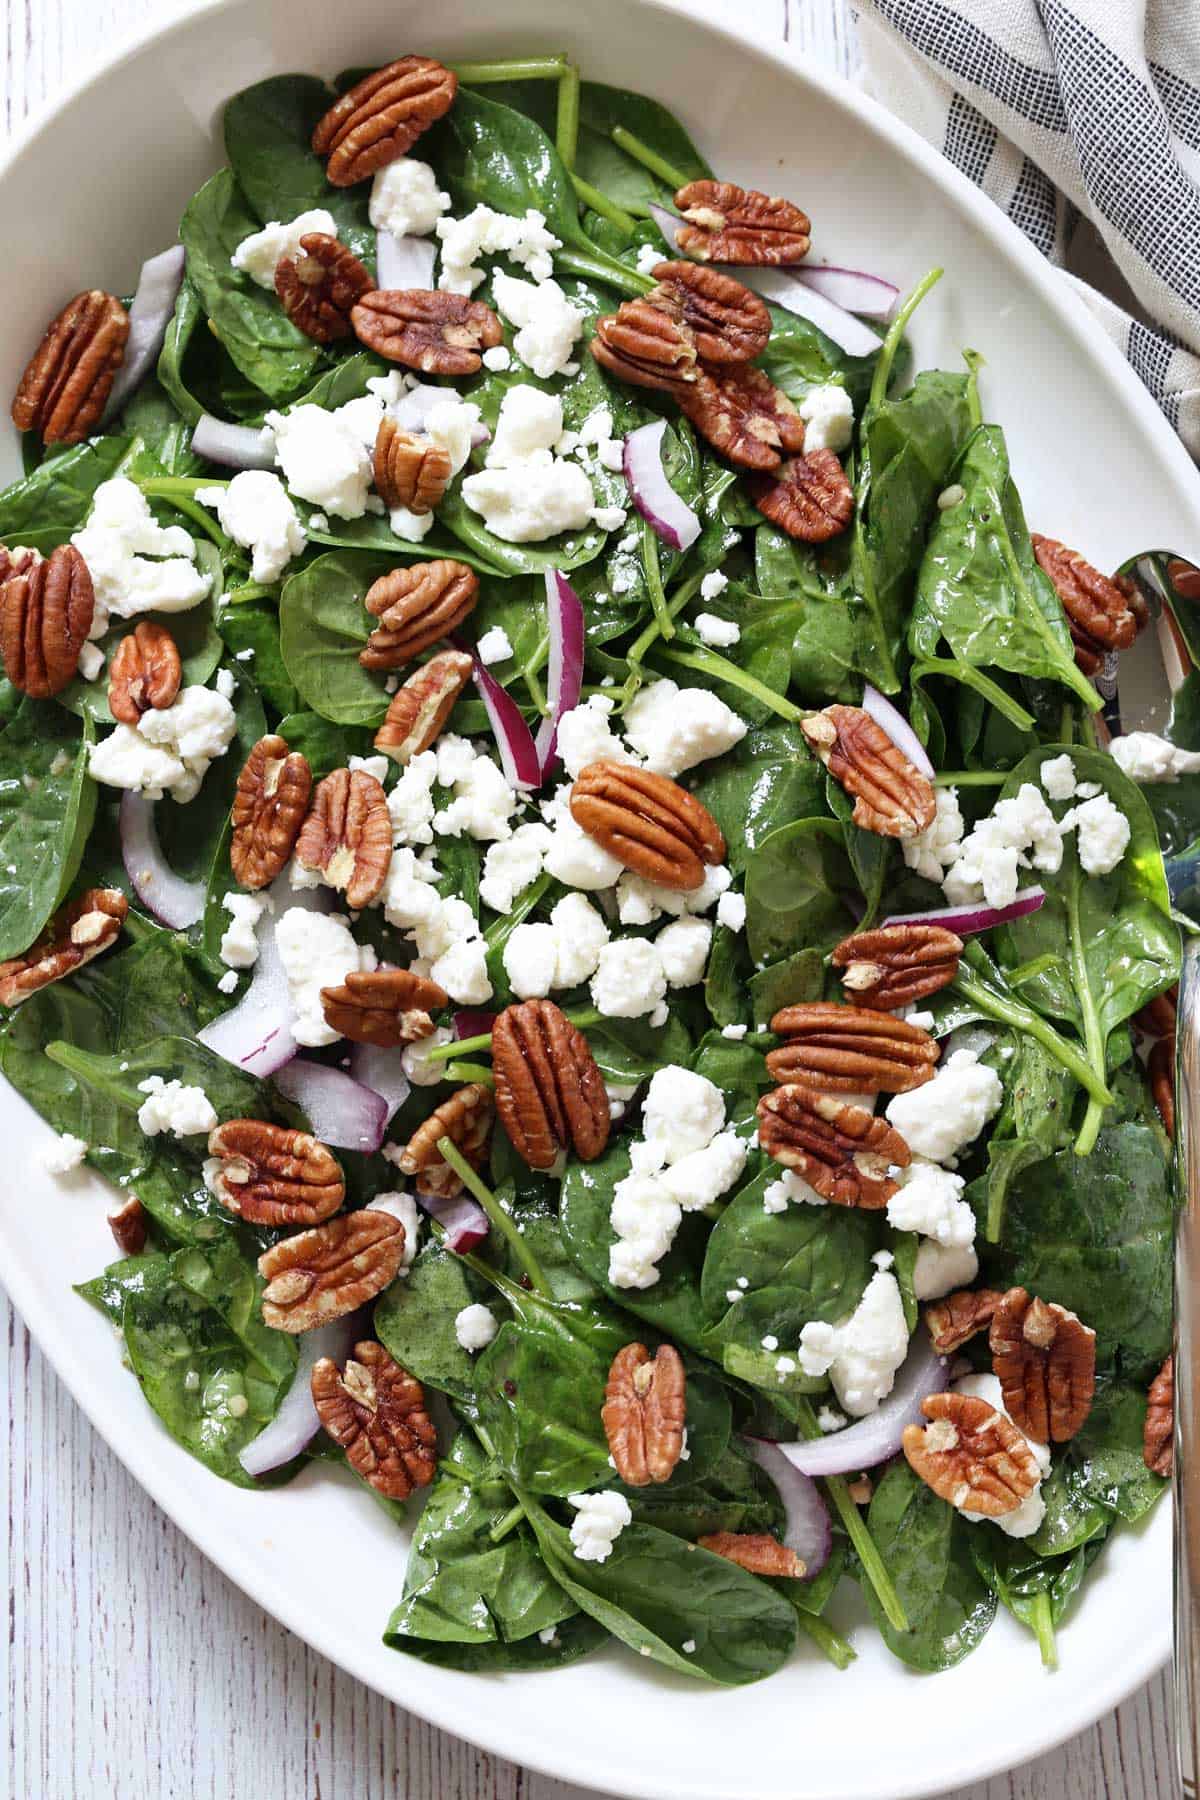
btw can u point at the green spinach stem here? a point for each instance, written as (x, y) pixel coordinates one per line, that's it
(1042, 1620)
(710, 663)
(989, 690)
(970, 778)
(509, 1522)
(1011, 1011)
(855, 1527)
(469, 1071)
(249, 590)
(500, 1217)
(600, 203)
(566, 124)
(649, 159)
(1093, 1037)
(686, 591)
(456, 1047)
(650, 563)
(895, 332)
(528, 68)
(829, 1642)
(596, 266)
(178, 491)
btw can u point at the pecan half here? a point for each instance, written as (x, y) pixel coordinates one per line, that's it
(648, 822)
(645, 346)
(1159, 1016)
(438, 333)
(891, 797)
(415, 607)
(850, 1050)
(418, 711)
(958, 1318)
(1158, 1435)
(1045, 1360)
(145, 672)
(728, 323)
(755, 1551)
(381, 117)
(319, 288)
(897, 964)
(75, 935)
(410, 471)
(270, 1175)
(744, 416)
(810, 498)
(550, 1095)
(383, 1007)
(269, 805)
(375, 1411)
(347, 835)
(332, 1270)
(66, 384)
(1103, 613)
(842, 1151)
(127, 1222)
(466, 1119)
(730, 224)
(971, 1455)
(1161, 1068)
(46, 611)
(644, 1413)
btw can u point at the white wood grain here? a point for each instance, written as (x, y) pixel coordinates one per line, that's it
(131, 1667)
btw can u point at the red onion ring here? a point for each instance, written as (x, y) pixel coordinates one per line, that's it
(518, 756)
(564, 673)
(965, 920)
(878, 1437)
(462, 1219)
(898, 729)
(853, 290)
(296, 1423)
(235, 446)
(341, 1111)
(172, 900)
(403, 262)
(383, 1072)
(473, 1023)
(808, 1530)
(651, 492)
(150, 313)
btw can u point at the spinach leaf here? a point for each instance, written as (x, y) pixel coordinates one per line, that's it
(488, 154)
(414, 1320)
(630, 1050)
(250, 630)
(117, 1075)
(322, 627)
(1034, 1121)
(45, 507)
(823, 628)
(107, 1291)
(47, 804)
(1106, 1453)
(325, 745)
(268, 140)
(790, 982)
(1037, 1590)
(925, 1546)
(767, 780)
(602, 163)
(735, 1496)
(1072, 1519)
(798, 891)
(180, 333)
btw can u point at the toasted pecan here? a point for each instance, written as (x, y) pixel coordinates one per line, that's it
(271, 1175)
(418, 711)
(728, 323)
(896, 965)
(319, 287)
(380, 118)
(809, 497)
(145, 672)
(67, 381)
(550, 1094)
(1045, 1360)
(375, 1411)
(323, 1274)
(648, 822)
(415, 607)
(46, 609)
(971, 1455)
(76, 934)
(731, 224)
(384, 1007)
(1158, 1436)
(466, 1119)
(645, 1412)
(436, 332)
(347, 835)
(891, 797)
(842, 1151)
(269, 805)
(410, 470)
(756, 1551)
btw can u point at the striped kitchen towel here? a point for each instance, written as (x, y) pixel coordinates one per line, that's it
(1065, 111)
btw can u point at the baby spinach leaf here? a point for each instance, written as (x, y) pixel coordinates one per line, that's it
(1072, 1518)
(491, 155)
(790, 982)
(107, 1291)
(1106, 1453)
(735, 1496)
(180, 333)
(324, 744)
(117, 1075)
(250, 630)
(823, 628)
(630, 1050)
(47, 804)
(154, 418)
(45, 507)
(767, 780)
(925, 1546)
(414, 1320)
(798, 890)
(602, 163)
(322, 627)
(1037, 1590)
(268, 140)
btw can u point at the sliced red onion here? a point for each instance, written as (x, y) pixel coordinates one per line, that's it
(868, 296)
(149, 315)
(564, 673)
(473, 1023)
(256, 1034)
(668, 223)
(808, 1530)
(403, 262)
(296, 1423)
(966, 920)
(462, 1219)
(514, 740)
(236, 446)
(413, 410)
(341, 1111)
(898, 729)
(651, 492)
(172, 900)
(874, 1439)
(383, 1072)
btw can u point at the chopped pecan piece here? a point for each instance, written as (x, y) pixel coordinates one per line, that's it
(269, 805)
(958, 1318)
(1158, 1435)
(644, 1413)
(756, 1551)
(347, 835)
(842, 1151)
(127, 1222)
(850, 1050)
(418, 711)
(971, 1455)
(76, 934)
(145, 672)
(1161, 1068)
(891, 797)
(385, 1007)
(1159, 1016)
(897, 964)
(270, 1175)
(810, 497)
(46, 610)
(415, 607)
(375, 1411)
(438, 333)
(16, 561)
(1103, 613)
(319, 288)
(728, 323)
(332, 1270)
(466, 1119)
(410, 471)
(642, 344)
(730, 224)
(550, 1095)
(66, 384)
(1045, 1360)
(744, 416)
(380, 118)
(648, 822)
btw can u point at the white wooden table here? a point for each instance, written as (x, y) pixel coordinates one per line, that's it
(131, 1668)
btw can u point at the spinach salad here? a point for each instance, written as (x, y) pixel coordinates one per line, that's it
(564, 855)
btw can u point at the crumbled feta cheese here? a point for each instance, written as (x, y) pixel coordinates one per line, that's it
(1017, 832)
(401, 1206)
(64, 1154)
(483, 232)
(259, 254)
(683, 1112)
(530, 424)
(1147, 758)
(683, 1134)
(170, 749)
(410, 900)
(828, 414)
(734, 1032)
(933, 850)
(645, 1219)
(640, 902)
(414, 1059)
(939, 1269)
(1101, 834)
(630, 979)
(675, 728)
(790, 1189)
(548, 325)
(256, 512)
(405, 198)
(577, 860)
(475, 1327)
(683, 946)
(511, 864)
(91, 661)
(946, 1114)
(323, 459)
(494, 646)
(530, 501)
(929, 1200)
(410, 802)
(462, 971)
(136, 565)
(169, 1106)
(317, 950)
(700, 1178)
(713, 585)
(861, 1354)
(1058, 776)
(731, 911)
(582, 935)
(498, 358)
(482, 804)
(530, 955)
(228, 982)
(619, 1094)
(598, 1523)
(585, 735)
(830, 1419)
(239, 946)
(1025, 1519)
(720, 633)
(648, 258)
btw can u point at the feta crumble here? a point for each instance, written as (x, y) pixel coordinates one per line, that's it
(1148, 759)
(630, 979)
(483, 232)
(405, 198)
(598, 1523)
(257, 513)
(861, 1354)
(475, 1327)
(719, 633)
(317, 950)
(239, 945)
(64, 1154)
(675, 728)
(323, 459)
(828, 414)
(170, 749)
(260, 254)
(494, 646)
(548, 325)
(136, 565)
(1101, 834)
(171, 1107)
(946, 1114)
